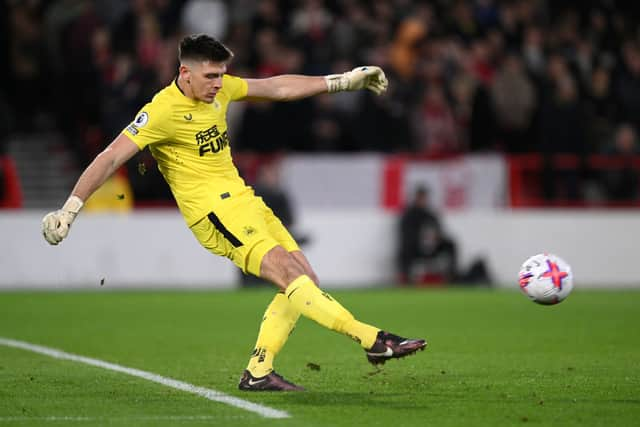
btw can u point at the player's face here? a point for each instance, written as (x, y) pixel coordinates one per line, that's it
(206, 80)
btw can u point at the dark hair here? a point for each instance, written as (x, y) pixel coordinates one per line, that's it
(202, 47)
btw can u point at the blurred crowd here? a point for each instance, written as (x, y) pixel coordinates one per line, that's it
(514, 76)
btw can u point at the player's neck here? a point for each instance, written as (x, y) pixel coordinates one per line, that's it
(184, 88)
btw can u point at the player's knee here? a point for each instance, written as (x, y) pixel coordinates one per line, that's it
(304, 263)
(280, 267)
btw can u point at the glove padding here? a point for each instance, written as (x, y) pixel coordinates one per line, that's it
(365, 77)
(55, 225)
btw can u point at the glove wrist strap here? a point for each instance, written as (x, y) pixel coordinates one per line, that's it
(336, 82)
(73, 205)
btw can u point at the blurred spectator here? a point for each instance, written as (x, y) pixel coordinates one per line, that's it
(310, 26)
(482, 66)
(70, 28)
(406, 48)
(533, 52)
(123, 91)
(149, 44)
(462, 97)
(440, 133)
(423, 248)
(351, 29)
(628, 84)
(462, 22)
(268, 187)
(406, 89)
(600, 109)
(329, 126)
(482, 123)
(510, 24)
(486, 13)
(126, 28)
(26, 63)
(273, 127)
(621, 183)
(514, 114)
(562, 131)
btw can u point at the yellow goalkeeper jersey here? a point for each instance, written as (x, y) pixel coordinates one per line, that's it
(189, 140)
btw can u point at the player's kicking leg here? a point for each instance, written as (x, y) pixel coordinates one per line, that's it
(387, 345)
(305, 297)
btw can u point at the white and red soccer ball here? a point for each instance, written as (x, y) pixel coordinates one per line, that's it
(546, 279)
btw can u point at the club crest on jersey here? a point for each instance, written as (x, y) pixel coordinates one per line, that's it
(211, 140)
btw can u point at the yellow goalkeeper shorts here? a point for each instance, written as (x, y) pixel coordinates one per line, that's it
(244, 234)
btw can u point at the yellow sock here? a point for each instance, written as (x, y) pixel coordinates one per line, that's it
(277, 323)
(317, 305)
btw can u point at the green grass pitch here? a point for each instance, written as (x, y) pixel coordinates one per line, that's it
(493, 359)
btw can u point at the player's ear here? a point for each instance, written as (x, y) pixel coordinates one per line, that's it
(185, 72)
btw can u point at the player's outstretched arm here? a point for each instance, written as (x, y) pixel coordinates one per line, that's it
(56, 224)
(291, 87)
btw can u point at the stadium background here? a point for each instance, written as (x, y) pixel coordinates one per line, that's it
(521, 116)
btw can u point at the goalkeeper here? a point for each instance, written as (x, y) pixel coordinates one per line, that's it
(185, 128)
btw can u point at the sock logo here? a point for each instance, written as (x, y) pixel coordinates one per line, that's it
(260, 353)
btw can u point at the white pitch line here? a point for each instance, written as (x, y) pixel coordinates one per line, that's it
(207, 393)
(61, 418)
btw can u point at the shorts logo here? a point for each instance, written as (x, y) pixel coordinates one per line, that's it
(188, 117)
(248, 230)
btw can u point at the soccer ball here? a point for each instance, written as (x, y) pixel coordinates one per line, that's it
(546, 279)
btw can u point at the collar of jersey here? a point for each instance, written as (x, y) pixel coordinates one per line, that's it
(185, 97)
